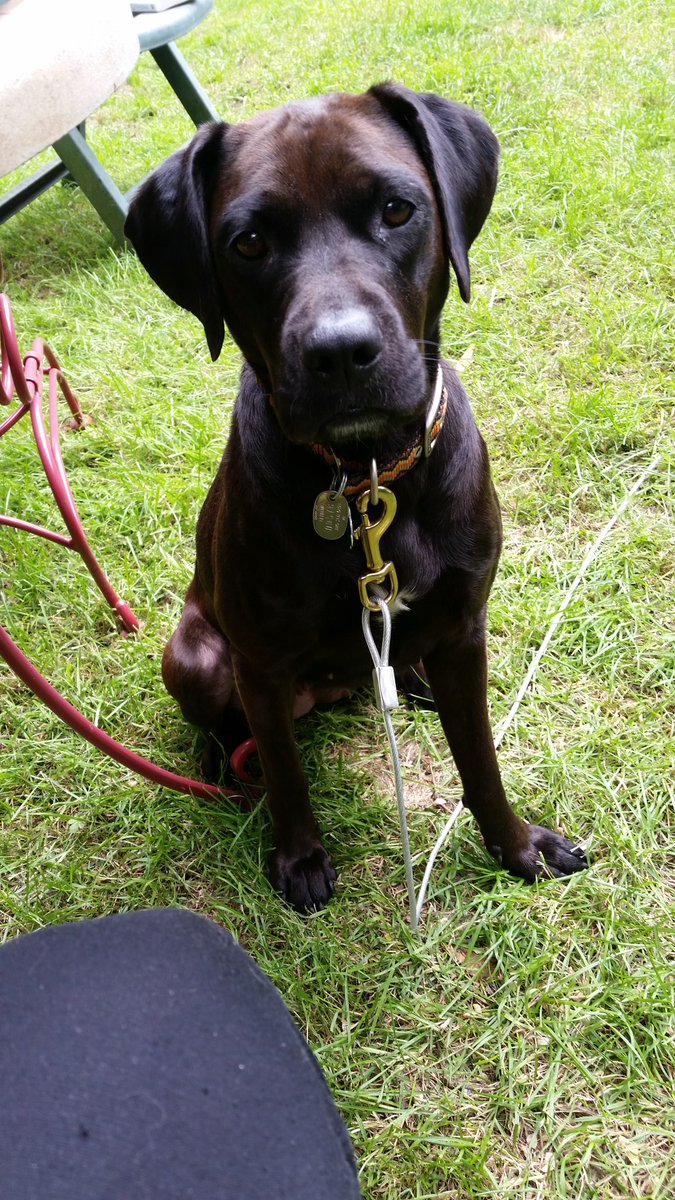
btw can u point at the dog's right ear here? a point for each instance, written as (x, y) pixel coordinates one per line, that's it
(168, 226)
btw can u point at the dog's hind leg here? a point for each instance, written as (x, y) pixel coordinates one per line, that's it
(197, 672)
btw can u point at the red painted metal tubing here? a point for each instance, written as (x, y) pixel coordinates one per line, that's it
(44, 690)
(239, 759)
(25, 378)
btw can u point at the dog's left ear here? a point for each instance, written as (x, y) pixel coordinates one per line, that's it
(461, 154)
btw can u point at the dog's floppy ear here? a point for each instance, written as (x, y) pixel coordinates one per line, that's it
(461, 154)
(168, 226)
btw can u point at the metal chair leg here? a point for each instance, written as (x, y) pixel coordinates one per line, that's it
(93, 179)
(23, 378)
(184, 83)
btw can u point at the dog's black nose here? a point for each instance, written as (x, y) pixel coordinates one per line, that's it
(343, 348)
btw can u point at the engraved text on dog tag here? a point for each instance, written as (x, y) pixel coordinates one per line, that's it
(330, 516)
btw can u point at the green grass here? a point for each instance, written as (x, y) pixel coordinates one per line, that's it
(523, 1045)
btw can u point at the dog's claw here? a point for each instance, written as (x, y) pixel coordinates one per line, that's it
(546, 855)
(306, 881)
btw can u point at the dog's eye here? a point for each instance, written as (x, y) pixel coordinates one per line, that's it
(397, 212)
(250, 244)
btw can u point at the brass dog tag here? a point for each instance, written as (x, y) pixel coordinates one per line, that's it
(330, 516)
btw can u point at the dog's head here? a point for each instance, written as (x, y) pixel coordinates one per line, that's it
(322, 234)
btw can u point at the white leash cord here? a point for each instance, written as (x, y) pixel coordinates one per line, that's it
(385, 684)
(386, 697)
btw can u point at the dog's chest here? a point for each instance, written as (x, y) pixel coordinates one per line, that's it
(335, 653)
(408, 545)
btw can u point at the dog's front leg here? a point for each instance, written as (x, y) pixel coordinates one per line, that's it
(457, 675)
(301, 868)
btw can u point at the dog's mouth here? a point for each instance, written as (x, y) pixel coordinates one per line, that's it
(358, 436)
(353, 421)
(357, 425)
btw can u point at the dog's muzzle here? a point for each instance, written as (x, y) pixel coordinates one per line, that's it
(420, 445)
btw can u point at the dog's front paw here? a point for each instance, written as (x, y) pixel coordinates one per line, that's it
(306, 881)
(542, 854)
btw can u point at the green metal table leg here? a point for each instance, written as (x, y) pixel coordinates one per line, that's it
(94, 181)
(184, 83)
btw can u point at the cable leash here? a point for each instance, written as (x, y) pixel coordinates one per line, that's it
(386, 697)
(386, 694)
(506, 724)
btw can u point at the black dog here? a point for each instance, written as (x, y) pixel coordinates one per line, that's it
(321, 234)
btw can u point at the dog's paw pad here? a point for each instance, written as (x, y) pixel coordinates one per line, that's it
(306, 881)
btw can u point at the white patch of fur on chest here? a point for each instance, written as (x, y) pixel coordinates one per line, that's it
(402, 602)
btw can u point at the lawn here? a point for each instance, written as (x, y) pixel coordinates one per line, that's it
(522, 1045)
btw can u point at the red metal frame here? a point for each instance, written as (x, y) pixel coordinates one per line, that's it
(25, 378)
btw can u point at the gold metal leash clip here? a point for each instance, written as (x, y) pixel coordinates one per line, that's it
(370, 531)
